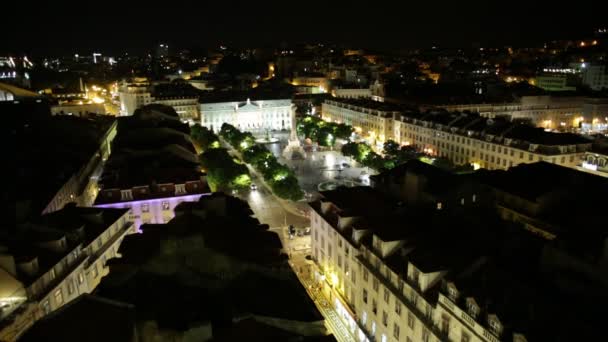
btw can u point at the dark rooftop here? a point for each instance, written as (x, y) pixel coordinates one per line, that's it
(79, 321)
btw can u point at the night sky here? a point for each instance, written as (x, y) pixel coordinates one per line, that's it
(116, 26)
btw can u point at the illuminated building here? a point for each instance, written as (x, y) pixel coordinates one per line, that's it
(404, 272)
(78, 108)
(181, 97)
(352, 93)
(134, 95)
(537, 109)
(595, 76)
(54, 259)
(461, 137)
(256, 115)
(9, 92)
(557, 82)
(372, 120)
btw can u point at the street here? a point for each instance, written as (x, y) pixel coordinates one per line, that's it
(317, 168)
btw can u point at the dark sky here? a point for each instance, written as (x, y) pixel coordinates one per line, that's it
(113, 26)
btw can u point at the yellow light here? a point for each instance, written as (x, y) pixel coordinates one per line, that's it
(476, 166)
(594, 42)
(582, 43)
(334, 279)
(98, 100)
(358, 129)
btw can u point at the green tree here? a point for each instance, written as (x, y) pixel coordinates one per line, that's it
(363, 150)
(374, 161)
(391, 148)
(326, 136)
(343, 131)
(288, 188)
(350, 149)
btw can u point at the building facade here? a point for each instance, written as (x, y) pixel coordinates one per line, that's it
(252, 116)
(596, 76)
(134, 95)
(76, 267)
(371, 120)
(381, 294)
(186, 107)
(461, 137)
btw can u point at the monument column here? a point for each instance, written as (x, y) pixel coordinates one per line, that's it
(293, 150)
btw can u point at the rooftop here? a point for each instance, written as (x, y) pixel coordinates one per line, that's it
(87, 310)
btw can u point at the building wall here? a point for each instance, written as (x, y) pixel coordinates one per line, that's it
(387, 306)
(248, 116)
(352, 93)
(366, 283)
(381, 126)
(133, 97)
(158, 210)
(186, 108)
(595, 76)
(462, 150)
(78, 109)
(375, 126)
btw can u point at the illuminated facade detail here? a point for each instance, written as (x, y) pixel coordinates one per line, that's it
(375, 123)
(157, 210)
(460, 137)
(252, 116)
(136, 94)
(65, 270)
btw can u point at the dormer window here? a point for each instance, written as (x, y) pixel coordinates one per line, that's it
(452, 292)
(494, 324)
(415, 275)
(472, 308)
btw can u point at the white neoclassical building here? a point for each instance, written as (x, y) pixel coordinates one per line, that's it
(253, 116)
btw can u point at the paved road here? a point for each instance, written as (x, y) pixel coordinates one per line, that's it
(298, 248)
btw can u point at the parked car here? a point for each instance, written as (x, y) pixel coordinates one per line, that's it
(253, 187)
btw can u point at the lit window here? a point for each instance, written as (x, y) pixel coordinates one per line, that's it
(439, 205)
(59, 297)
(145, 208)
(46, 307)
(396, 330)
(70, 286)
(165, 205)
(410, 320)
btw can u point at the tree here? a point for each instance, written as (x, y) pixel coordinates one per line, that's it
(391, 148)
(374, 160)
(343, 131)
(350, 149)
(223, 173)
(256, 154)
(362, 152)
(326, 136)
(288, 188)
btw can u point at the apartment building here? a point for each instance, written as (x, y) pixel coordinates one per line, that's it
(399, 272)
(371, 120)
(493, 143)
(384, 275)
(53, 259)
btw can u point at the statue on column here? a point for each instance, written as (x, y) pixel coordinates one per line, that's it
(293, 150)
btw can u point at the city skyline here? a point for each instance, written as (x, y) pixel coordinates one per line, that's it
(138, 27)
